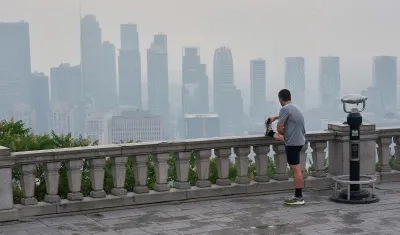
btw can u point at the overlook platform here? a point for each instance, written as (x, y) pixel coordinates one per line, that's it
(263, 215)
(187, 187)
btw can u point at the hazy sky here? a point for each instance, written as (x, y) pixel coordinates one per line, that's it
(356, 30)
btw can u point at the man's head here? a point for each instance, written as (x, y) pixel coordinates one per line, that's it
(284, 96)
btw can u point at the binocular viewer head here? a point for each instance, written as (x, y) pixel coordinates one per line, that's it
(354, 99)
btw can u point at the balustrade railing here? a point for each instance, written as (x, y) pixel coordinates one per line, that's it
(87, 178)
(388, 164)
(179, 155)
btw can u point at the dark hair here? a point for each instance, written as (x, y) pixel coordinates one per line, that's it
(285, 95)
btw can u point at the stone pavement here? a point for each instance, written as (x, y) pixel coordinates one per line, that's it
(264, 215)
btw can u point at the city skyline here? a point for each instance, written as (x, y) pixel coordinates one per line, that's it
(329, 35)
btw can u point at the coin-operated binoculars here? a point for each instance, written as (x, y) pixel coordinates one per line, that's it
(354, 194)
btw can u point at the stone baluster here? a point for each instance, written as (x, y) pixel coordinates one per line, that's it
(140, 171)
(161, 169)
(74, 168)
(261, 159)
(28, 181)
(280, 162)
(182, 170)
(118, 171)
(303, 161)
(384, 154)
(52, 178)
(397, 152)
(223, 162)
(318, 157)
(242, 163)
(7, 210)
(97, 177)
(203, 168)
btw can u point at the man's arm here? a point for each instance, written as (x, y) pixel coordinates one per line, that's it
(283, 116)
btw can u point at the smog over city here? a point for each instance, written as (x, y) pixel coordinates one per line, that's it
(152, 70)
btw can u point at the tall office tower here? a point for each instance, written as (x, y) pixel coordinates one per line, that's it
(66, 83)
(228, 101)
(129, 68)
(194, 83)
(201, 126)
(61, 119)
(295, 80)
(91, 45)
(97, 127)
(329, 82)
(129, 37)
(107, 82)
(15, 66)
(157, 76)
(258, 89)
(135, 126)
(384, 78)
(40, 101)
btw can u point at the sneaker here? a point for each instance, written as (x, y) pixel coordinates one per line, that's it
(294, 201)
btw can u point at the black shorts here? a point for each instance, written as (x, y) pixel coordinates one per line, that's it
(293, 154)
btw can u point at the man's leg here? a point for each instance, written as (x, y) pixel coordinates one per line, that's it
(293, 158)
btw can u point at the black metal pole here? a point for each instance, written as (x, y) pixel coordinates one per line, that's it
(354, 120)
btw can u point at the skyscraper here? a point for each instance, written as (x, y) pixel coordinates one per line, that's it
(157, 75)
(40, 101)
(129, 68)
(329, 82)
(107, 81)
(66, 84)
(194, 83)
(15, 65)
(295, 80)
(228, 102)
(384, 78)
(91, 45)
(258, 89)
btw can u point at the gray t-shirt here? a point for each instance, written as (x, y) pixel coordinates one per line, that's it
(294, 131)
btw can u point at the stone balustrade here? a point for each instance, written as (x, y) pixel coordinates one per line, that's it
(332, 142)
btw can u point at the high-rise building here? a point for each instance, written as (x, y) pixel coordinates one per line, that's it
(194, 83)
(25, 113)
(258, 89)
(129, 37)
(228, 101)
(97, 128)
(91, 45)
(61, 119)
(329, 82)
(66, 84)
(295, 80)
(157, 76)
(129, 68)
(201, 126)
(135, 126)
(384, 78)
(107, 81)
(15, 66)
(40, 101)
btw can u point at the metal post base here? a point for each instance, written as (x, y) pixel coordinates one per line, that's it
(354, 197)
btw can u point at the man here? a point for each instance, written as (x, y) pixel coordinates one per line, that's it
(290, 129)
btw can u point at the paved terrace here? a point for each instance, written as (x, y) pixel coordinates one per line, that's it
(264, 215)
(251, 199)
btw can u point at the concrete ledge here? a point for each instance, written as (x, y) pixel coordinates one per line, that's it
(9, 215)
(319, 183)
(153, 197)
(386, 177)
(215, 191)
(271, 186)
